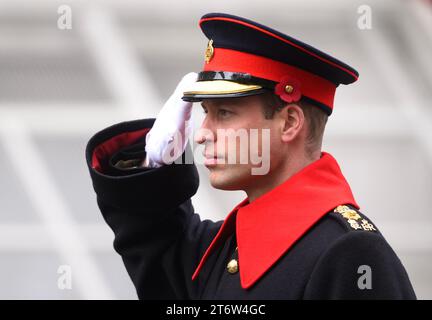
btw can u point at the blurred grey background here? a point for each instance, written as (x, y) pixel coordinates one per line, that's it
(122, 59)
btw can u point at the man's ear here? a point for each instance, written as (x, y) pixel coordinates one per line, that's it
(293, 120)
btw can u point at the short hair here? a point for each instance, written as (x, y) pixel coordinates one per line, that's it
(315, 117)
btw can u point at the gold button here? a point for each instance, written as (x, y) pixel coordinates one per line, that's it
(232, 266)
(289, 89)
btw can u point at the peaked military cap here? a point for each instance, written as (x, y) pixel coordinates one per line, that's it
(245, 58)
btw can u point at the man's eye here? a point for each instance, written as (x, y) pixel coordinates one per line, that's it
(224, 113)
(205, 111)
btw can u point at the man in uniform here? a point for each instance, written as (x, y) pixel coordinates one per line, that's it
(299, 234)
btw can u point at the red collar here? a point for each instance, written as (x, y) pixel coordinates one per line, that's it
(270, 225)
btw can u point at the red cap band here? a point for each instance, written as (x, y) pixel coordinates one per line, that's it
(312, 86)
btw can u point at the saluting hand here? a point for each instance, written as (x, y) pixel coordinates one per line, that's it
(167, 139)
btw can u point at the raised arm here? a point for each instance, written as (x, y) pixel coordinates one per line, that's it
(157, 233)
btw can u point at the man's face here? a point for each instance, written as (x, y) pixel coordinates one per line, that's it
(237, 140)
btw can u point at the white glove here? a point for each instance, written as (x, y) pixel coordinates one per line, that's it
(167, 139)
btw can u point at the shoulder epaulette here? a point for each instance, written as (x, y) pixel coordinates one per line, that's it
(353, 219)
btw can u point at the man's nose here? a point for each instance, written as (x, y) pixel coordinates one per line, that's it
(204, 133)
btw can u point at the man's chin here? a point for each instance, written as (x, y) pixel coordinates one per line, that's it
(223, 181)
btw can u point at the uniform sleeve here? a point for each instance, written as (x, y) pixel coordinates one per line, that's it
(156, 231)
(360, 265)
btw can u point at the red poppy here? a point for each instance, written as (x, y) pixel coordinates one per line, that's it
(288, 89)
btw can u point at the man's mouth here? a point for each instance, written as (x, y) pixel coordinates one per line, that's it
(210, 161)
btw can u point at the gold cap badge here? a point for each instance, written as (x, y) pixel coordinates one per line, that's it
(209, 51)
